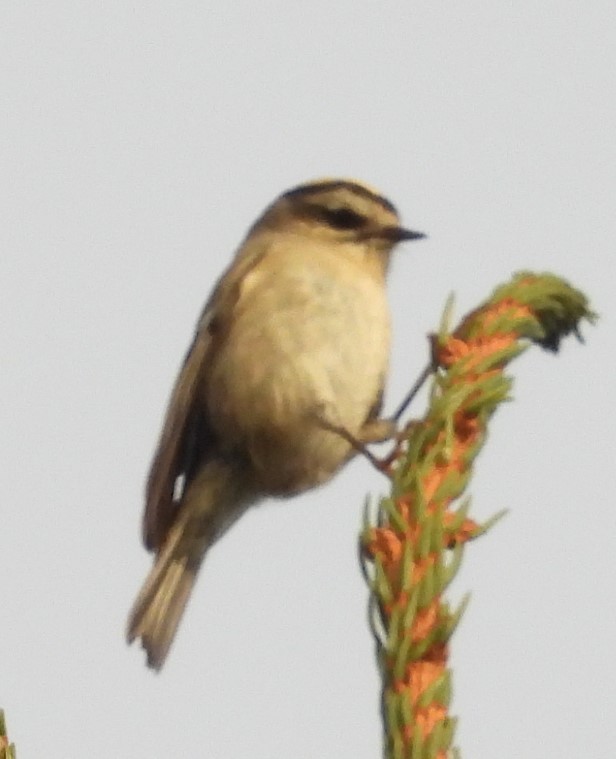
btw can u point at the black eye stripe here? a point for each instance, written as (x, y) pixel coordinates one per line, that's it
(337, 218)
(343, 218)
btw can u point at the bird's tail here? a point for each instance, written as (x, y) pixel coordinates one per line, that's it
(159, 607)
(156, 613)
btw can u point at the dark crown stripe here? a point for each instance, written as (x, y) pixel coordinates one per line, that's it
(305, 190)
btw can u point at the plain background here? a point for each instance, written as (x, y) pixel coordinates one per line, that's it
(137, 143)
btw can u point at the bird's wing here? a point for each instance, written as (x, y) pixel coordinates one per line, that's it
(186, 437)
(173, 451)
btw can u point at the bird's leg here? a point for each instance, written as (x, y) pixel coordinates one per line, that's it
(400, 435)
(408, 398)
(373, 431)
(381, 430)
(377, 431)
(357, 443)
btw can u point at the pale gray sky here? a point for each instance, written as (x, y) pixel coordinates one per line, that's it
(137, 143)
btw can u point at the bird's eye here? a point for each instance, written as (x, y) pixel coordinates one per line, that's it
(343, 218)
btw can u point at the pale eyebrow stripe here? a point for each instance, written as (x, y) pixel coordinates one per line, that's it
(307, 190)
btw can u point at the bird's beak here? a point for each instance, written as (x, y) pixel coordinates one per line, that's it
(398, 234)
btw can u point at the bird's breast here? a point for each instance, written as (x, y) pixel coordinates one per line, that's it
(307, 340)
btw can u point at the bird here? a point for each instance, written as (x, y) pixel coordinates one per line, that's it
(282, 385)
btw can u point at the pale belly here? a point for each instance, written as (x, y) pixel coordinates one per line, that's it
(301, 349)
